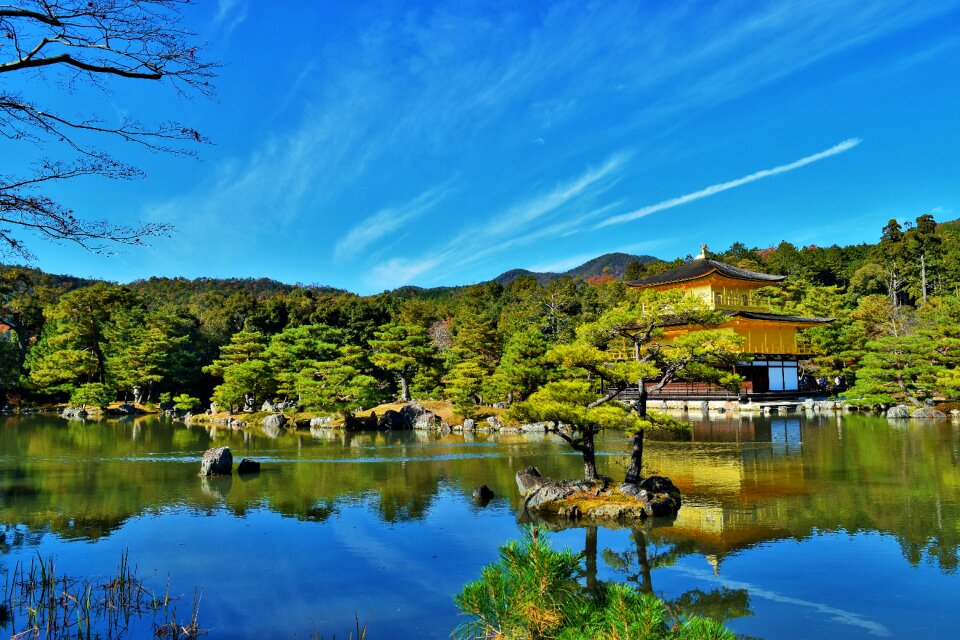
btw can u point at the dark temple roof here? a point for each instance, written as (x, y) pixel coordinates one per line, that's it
(701, 267)
(753, 315)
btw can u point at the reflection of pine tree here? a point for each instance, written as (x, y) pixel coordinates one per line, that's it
(637, 566)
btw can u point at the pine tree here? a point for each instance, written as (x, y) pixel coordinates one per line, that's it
(298, 348)
(589, 386)
(523, 367)
(246, 375)
(143, 350)
(889, 253)
(926, 250)
(341, 385)
(403, 350)
(243, 346)
(72, 349)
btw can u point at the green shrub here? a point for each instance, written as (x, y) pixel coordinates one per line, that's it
(185, 402)
(92, 394)
(532, 593)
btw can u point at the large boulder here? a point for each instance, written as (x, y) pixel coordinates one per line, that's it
(216, 462)
(548, 492)
(274, 421)
(390, 421)
(74, 413)
(426, 421)
(534, 427)
(928, 413)
(268, 406)
(321, 422)
(469, 425)
(248, 466)
(494, 423)
(660, 495)
(410, 413)
(899, 411)
(529, 479)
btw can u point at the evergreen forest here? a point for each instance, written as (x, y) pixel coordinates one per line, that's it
(237, 342)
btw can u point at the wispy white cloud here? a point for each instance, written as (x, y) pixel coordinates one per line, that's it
(542, 215)
(714, 189)
(463, 89)
(518, 216)
(387, 221)
(836, 614)
(400, 271)
(230, 14)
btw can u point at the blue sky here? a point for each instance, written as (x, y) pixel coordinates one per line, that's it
(371, 145)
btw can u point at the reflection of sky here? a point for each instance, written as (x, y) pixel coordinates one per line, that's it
(264, 575)
(831, 585)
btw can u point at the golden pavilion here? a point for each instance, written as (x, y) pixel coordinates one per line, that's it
(774, 340)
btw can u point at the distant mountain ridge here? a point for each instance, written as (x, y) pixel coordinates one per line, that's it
(612, 264)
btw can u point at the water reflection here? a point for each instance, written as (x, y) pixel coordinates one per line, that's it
(751, 485)
(745, 479)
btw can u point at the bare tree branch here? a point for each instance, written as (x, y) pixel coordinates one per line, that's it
(93, 43)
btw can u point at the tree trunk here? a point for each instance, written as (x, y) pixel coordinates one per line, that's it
(646, 584)
(635, 468)
(588, 449)
(590, 555)
(404, 388)
(642, 396)
(923, 276)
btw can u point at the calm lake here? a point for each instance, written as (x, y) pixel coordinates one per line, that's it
(791, 527)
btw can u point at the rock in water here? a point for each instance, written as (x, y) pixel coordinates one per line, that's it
(899, 411)
(216, 462)
(534, 427)
(410, 413)
(390, 421)
(548, 492)
(662, 496)
(74, 413)
(275, 421)
(929, 413)
(469, 425)
(426, 421)
(482, 495)
(529, 479)
(248, 466)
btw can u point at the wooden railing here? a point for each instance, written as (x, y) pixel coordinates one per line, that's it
(740, 302)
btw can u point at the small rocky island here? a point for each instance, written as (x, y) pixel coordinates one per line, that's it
(655, 496)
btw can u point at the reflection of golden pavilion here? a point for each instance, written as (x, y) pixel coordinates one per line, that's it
(733, 488)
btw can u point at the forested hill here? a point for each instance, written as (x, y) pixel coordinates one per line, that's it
(612, 264)
(94, 342)
(181, 289)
